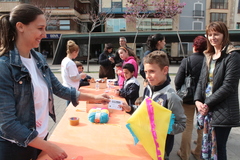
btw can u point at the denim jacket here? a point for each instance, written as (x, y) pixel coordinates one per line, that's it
(17, 113)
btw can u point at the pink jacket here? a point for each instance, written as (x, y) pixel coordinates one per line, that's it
(134, 63)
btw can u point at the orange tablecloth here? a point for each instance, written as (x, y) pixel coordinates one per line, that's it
(110, 92)
(111, 141)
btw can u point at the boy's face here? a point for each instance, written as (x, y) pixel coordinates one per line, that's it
(127, 74)
(154, 74)
(80, 69)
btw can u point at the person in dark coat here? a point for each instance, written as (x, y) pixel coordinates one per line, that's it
(107, 62)
(195, 66)
(217, 93)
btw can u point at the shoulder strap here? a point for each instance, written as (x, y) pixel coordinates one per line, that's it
(188, 67)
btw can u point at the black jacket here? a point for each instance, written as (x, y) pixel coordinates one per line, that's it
(106, 68)
(130, 90)
(196, 61)
(223, 102)
(141, 71)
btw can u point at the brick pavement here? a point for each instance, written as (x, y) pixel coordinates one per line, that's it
(233, 144)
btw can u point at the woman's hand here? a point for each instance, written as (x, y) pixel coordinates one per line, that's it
(111, 59)
(53, 151)
(202, 108)
(102, 98)
(125, 107)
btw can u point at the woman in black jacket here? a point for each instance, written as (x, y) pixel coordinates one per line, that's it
(195, 66)
(107, 62)
(154, 42)
(217, 94)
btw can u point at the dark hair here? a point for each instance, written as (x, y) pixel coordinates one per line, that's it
(108, 46)
(217, 27)
(153, 40)
(200, 44)
(72, 46)
(157, 57)
(129, 67)
(24, 13)
(118, 64)
(78, 64)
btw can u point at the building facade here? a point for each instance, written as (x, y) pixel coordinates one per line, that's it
(63, 17)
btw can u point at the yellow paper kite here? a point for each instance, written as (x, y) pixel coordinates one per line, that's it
(150, 124)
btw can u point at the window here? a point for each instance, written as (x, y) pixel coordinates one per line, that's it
(151, 24)
(64, 24)
(219, 4)
(197, 25)
(117, 7)
(145, 25)
(238, 26)
(218, 17)
(185, 49)
(238, 6)
(58, 25)
(198, 10)
(52, 25)
(116, 25)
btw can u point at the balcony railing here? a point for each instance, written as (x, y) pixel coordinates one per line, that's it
(198, 13)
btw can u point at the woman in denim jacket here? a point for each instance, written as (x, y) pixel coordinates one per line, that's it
(27, 86)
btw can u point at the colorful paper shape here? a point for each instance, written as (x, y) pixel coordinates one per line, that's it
(150, 124)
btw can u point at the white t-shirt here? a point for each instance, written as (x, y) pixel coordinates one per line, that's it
(40, 93)
(69, 69)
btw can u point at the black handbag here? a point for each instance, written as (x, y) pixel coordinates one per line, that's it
(187, 90)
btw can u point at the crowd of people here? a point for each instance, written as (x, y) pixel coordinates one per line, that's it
(28, 85)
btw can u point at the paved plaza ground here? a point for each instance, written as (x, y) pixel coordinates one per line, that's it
(233, 145)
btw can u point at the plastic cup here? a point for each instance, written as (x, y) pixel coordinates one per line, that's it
(74, 121)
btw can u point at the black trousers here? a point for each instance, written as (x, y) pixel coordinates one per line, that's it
(222, 134)
(169, 144)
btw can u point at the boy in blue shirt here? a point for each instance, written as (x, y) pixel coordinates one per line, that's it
(156, 66)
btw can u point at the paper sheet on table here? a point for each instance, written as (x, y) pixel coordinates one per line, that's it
(114, 104)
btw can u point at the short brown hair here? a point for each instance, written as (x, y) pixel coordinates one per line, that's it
(78, 64)
(138, 101)
(158, 57)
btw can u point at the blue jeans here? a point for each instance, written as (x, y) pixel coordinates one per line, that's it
(222, 134)
(12, 151)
